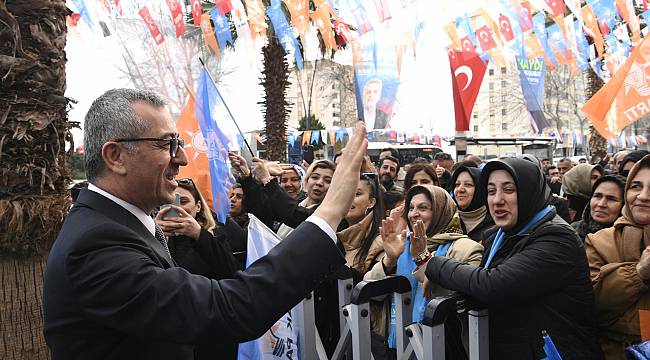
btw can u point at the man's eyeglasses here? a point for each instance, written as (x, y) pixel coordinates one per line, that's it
(174, 143)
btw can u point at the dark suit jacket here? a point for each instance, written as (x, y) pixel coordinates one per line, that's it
(381, 119)
(109, 293)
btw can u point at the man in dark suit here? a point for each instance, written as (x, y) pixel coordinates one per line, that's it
(112, 290)
(373, 116)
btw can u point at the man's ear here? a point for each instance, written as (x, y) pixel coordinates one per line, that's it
(114, 155)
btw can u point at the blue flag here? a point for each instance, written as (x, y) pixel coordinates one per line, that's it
(531, 74)
(221, 29)
(209, 108)
(549, 348)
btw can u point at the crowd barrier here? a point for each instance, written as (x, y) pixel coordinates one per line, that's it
(423, 340)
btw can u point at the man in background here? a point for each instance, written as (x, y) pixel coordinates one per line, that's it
(388, 169)
(374, 117)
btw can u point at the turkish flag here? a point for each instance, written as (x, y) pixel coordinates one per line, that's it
(467, 71)
(485, 38)
(557, 7)
(177, 17)
(224, 6)
(196, 12)
(525, 16)
(506, 28)
(151, 25)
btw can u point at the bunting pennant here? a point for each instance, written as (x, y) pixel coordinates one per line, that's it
(221, 29)
(118, 7)
(82, 10)
(323, 136)
(605, 11)
(208, 34)
(342, 31)
(626, 10)
(299, 10)
(306, 136)
(624, 98)
(540, 31)
(239, 18)
(332, 137)
(485, 38)
(467, 76)
(491, 24)
(525, 16)
(452, 32)
(224, 6)
(363, 24)
(556, 7)
(196, 12)
(256, 18)
(574, 7)
(506, 28)
(321, 17)
(591, 24)
(382, 10)
(283, 31)
(177, 17)
(582, 56)
(315, 137)
(151, 25)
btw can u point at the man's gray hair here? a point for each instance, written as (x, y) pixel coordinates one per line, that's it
(111, 117)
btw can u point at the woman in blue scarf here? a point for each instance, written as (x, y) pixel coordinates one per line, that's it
(534, 275)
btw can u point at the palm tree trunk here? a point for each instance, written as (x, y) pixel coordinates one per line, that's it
(33, 170)
(597, 143)
(275, 80)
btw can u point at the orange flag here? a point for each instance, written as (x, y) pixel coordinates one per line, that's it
(198, 168)
(208, 34)
(591, 24)
(625, 98)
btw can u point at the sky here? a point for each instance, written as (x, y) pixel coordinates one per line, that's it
(424, 99)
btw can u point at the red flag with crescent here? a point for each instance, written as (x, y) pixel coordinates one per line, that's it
(196, 12)
(557, 7)
(506, 28)
(485, 38)
(467, 71)
(151, 25)
(177, 17)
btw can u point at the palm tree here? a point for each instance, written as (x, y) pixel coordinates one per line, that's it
(34, 174)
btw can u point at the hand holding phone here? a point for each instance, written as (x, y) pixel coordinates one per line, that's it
(172, 212)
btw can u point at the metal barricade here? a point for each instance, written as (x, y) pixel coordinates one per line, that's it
(311, 345)
(427, 338)
(357, 313)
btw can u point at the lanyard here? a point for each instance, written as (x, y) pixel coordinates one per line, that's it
(498, 239)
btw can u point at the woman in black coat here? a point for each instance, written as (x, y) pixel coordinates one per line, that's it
(534, 275)
(201, 247)
(475, 219)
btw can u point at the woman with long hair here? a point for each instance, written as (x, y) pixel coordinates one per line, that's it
(420, 174)
(604, 207)
(475, 219)
(200, 246)
(619, 260)
(534, 276)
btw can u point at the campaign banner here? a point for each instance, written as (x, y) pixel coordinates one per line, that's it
(376, 81)
(281, 341)
(531, 75)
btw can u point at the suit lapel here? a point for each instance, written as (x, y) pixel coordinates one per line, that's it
(124, 217)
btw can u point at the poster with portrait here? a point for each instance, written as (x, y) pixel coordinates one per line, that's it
(376, 80)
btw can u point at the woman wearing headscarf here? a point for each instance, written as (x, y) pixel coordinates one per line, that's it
(470, 198)
(435, 226)
(291, 181)
(604, 207)
(619, 260)
(629, 160)
(577, 184)
(534, 275)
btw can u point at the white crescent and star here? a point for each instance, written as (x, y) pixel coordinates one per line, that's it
(467, 71)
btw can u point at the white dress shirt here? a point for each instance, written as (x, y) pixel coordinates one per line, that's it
(145, 219)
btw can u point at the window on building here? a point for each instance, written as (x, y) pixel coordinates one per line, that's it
(333, 86)
(491, 99)
(503, 84)
(335, 114)
(491, 72)
(491, 86)
(504, 112)
(475, 128)
(503, 98)
(504, 126)
(475, 116)
(503, 70)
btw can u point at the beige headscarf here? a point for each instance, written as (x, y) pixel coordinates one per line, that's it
(445, 219)
(577, 181)
(631, 238)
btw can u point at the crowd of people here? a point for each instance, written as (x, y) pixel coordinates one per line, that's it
(555, 248)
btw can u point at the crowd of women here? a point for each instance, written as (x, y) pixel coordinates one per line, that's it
(490, 231)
